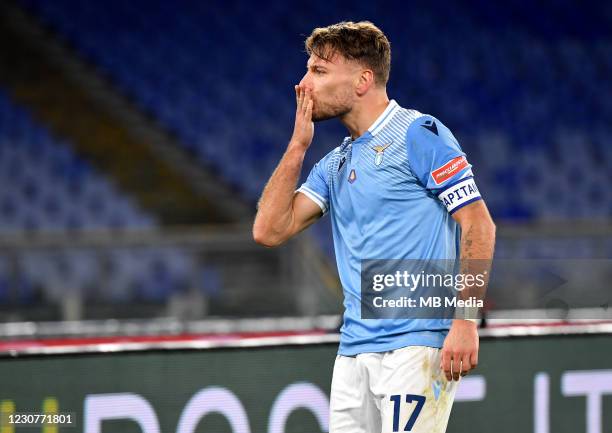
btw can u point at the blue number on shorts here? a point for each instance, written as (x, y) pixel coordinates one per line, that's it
(397, 399)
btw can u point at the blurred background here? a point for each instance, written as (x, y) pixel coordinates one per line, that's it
(136, 137)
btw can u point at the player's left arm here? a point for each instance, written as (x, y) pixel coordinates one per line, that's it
(436, 159)
(460, 350)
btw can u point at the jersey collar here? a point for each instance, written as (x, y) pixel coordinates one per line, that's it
(376, 127)
(384, 118)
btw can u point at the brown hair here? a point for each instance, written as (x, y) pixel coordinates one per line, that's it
(362, 41)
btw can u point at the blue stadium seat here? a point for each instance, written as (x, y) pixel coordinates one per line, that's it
(222, 81)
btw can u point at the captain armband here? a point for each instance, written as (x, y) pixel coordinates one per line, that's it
(460, 194)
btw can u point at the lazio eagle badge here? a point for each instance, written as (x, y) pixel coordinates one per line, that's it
(380, 152)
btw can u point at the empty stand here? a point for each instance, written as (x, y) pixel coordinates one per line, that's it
(222, 81)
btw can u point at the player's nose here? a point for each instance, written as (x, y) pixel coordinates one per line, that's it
(305, 82)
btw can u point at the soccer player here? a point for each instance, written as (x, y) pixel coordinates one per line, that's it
(399, 187)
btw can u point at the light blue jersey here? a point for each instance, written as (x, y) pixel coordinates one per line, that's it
(390, 194)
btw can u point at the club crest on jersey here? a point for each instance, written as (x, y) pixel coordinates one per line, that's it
(380, 152)
(352, 176)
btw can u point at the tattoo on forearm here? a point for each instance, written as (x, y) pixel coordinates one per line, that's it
(476, 256)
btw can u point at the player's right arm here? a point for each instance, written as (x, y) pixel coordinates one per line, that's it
(282, 212)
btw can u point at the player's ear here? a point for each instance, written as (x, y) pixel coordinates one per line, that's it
(364, 81)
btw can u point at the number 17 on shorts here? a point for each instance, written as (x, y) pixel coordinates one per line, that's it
(403, 390)
(416, 410)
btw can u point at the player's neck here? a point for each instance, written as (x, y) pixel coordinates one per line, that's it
(365, 113)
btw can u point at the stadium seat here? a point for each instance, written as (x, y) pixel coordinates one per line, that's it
(200, 80)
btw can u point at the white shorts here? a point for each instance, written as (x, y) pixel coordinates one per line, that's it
(397, 391)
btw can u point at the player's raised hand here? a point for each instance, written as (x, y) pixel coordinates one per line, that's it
(303, 130)
(460, 350)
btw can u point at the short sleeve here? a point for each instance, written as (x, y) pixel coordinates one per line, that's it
(316, 187)
(437, 160)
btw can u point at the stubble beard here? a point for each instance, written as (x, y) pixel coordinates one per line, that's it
(340, 107)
